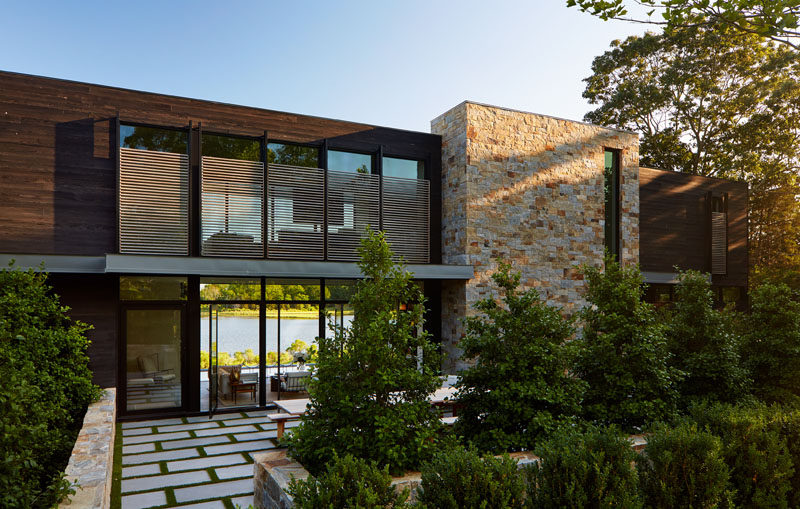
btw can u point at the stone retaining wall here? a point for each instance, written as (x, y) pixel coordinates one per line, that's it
(92, 459)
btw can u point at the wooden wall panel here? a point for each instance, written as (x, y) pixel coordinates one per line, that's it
(93, 299)
(58, 154)
(674, 228)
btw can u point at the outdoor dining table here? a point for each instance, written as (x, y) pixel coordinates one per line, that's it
(441, 396)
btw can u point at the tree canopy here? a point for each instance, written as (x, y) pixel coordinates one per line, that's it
(718, 103)
(772, 19)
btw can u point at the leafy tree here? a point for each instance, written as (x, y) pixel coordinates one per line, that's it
(771, 345)
(623, 353)
(717, 103)
(46, 387)
(369, 398)
(520, 386)
(773, 19)
(703, 343)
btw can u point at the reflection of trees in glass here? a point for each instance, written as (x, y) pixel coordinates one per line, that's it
(151, 138)
(231, 148)
(293, 155)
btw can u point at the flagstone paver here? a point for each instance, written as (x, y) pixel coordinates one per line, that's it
(163, 481)
(142, 500)
(205, 463)
(235, 471)
(225, 489)
(139, 470)
(223, 430)
(194, 442)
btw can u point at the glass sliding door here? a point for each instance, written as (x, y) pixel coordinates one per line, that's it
(153, 358)
(294, 340)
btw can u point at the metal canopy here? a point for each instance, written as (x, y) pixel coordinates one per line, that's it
(183, 265)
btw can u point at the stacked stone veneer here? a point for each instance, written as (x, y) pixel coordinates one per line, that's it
(527, 188)
(92, 459)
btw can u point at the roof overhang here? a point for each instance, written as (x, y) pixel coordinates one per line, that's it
(185, 265)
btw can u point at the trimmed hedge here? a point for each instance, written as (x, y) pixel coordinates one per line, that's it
(346, 483)
(460, 477)
(683, 467)
(592, 469)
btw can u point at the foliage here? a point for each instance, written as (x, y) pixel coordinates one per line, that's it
(45, 390)
(703, 343)
(592, 469)
(520, 386)
(719, 103)
(459, 477)
(347, 483)
(773, 19)
(771, 344)
(623, 353)
(755, 450)
(369, 398)
(683, 467)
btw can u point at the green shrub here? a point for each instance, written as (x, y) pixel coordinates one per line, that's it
(347, 483)
(756, 452)
(703, 344)
(683, 467)
(771, 345)
(787, 423)
(520, 386)
(46, 387)
(623, 353)
(584, 470)
(369, 398)
(460, 477)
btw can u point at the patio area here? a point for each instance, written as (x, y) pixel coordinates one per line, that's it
(193, 462)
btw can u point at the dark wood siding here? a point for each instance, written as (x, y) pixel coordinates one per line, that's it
(58, 155)
(93, 299)
(675, 224)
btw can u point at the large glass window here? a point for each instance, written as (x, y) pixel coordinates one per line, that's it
(152, 288)
(153, 138)
(293, 155)
(349, 161)
(403, 168)
(221, 289)
(231, 148)
(611, 191)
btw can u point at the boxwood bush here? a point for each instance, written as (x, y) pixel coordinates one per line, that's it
(756, 451)
(592, 469)
(683, 466)
(460, 477)
(46, 387)
(347, 483)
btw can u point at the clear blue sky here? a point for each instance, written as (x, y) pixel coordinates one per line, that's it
(390, 63)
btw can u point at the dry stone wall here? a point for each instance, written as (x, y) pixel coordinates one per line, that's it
(527, 188)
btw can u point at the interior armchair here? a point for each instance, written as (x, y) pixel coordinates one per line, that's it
(150, 367)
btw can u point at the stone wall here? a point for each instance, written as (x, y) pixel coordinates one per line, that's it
(527, 188)
(92, 459)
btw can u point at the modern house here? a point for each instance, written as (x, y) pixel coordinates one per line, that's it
(202, 239)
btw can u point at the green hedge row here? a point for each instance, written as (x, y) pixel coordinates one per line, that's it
(725, 456)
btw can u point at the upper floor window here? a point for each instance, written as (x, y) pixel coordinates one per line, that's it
(403, 168)
(352, 162)
(293, 155)
(153, 138)
(229, 147)
(611, 191)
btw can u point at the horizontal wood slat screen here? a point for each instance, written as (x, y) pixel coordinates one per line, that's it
(153, 202)
(353, 203)
(719, 243)
(232, 207)
(406, 217)
(295, 212)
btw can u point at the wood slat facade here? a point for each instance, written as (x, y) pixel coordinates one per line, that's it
(675, 224)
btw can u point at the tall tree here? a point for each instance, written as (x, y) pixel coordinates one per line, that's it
(718, 103)
(773, 19)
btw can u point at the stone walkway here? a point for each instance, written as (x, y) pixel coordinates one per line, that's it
(193, 462)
